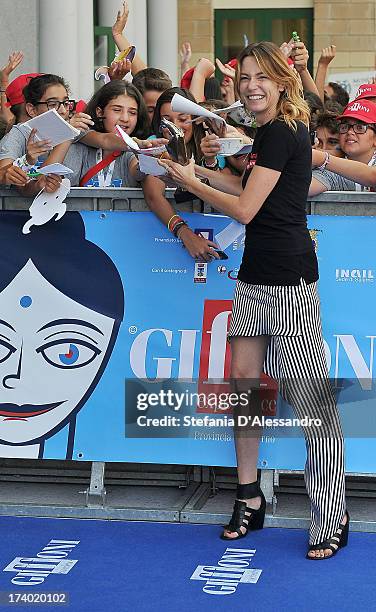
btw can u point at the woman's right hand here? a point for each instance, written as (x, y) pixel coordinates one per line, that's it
(35, 148)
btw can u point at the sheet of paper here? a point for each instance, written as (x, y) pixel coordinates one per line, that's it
(156, 151)
(229, 146)
(55, 169)
(127, 139)
(179, 104)
(245, 150)
(150, 165)
(51, 126)
(228, 109)
(229, 234)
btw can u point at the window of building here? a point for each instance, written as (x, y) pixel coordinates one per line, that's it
(235, 28)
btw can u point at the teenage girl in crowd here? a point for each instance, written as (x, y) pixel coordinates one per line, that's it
(357, 139)
(198, 247)
(41, 94)
(116, 103)
(275, 321)
(194, 136)
(50, 91)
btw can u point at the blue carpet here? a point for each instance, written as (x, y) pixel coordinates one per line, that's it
(147, 567)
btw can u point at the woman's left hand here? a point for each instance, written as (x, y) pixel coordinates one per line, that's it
(300, 56)
(183, 176)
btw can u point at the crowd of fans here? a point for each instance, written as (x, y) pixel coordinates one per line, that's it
(137, 98)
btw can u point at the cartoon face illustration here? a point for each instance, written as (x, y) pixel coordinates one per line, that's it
(61, 304)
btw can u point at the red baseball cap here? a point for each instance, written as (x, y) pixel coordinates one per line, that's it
(368, 90)
(363, 110)
(14, 91)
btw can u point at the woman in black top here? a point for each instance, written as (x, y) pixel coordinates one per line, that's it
(275, 322)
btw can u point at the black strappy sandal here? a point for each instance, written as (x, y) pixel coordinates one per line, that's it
(337, 541)
(243, 515)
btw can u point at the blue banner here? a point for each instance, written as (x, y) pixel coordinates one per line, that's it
(95, 303)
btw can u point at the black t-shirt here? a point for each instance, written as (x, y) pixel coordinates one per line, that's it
(278, 247)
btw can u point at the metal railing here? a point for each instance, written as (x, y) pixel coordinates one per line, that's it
(132, 199)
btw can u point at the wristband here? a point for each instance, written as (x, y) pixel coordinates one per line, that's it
(178, 227)
(325, 162)
(174, 223)
(169, 221)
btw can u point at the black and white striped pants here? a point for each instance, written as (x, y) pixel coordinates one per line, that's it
(295, 357)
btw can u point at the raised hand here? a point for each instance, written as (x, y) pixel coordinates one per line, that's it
(185, 52)
(226, 69)
(300, 56)
(121, 20)
(205, 67)
(287, 47)
(14, 60)
(327, 55)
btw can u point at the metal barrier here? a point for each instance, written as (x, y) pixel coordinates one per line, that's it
(81, 198)
(132, 200)
(196, 483)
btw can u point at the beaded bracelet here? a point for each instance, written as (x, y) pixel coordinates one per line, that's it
(177, 227)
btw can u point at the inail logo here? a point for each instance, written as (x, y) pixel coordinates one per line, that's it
(355, 275)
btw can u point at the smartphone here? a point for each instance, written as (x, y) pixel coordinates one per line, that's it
(222, 254)
(312, 136)
(128, 54)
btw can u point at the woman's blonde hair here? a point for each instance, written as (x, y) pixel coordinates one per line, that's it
(291, 106)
